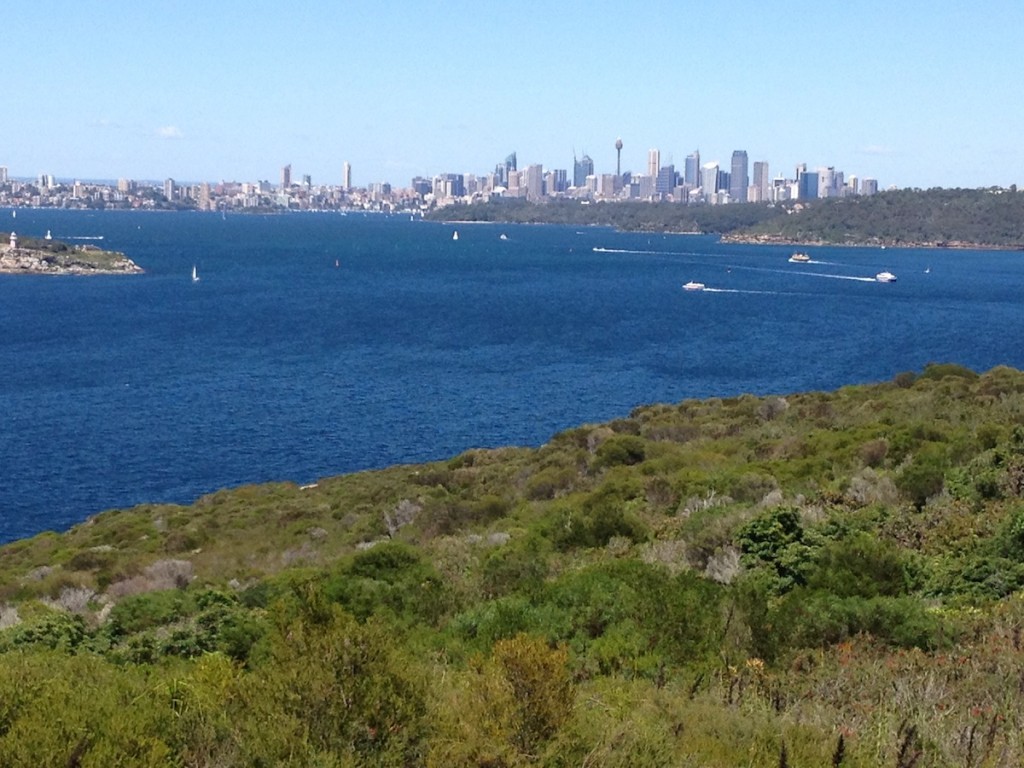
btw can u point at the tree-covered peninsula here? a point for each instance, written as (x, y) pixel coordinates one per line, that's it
(982, 218)
(815, 579)
(44, 256)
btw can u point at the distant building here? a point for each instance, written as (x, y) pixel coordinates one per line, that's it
(421, 186)
(346, 177)
(691, 171)
(449, 185)
(869, 186)
(581, 169)
(738, 177)
(653, 162)
(827, 185)
(709, 180)
(3, 174)
(762, 184)
(559, 182)
(534, 182)
(286, 177)
(807, 186)
(169, 189)
(665, 181)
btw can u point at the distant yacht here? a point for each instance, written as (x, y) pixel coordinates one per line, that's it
(693, 286)
(48, 235)
(503, 236)
(885, 277)
(927, 270)
(455, 235)
(195, 274)
(799, 258)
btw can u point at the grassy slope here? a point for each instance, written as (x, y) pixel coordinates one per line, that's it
(724, 577)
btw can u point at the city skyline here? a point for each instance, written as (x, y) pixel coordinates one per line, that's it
(916, 95)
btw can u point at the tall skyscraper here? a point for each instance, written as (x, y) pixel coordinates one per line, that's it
(666, 180)
(807, 186)
(762, 183)
(346, 177)
(709, 180)
(653, 163)
(3, 174)
(561, 180)
(534, 182)
(618, 157)
(286, 177)
(869, 186)
(169, 189)
(691, 171)
(581, 169)
(738, 178)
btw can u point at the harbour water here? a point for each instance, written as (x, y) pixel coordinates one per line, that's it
(317, 344)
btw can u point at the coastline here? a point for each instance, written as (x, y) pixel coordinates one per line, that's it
(80, 260)
(952, 245)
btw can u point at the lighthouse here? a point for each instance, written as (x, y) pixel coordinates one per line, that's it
(14, 241)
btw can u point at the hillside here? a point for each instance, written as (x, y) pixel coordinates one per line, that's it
(824, 578)
(989, 218)
(983, 218)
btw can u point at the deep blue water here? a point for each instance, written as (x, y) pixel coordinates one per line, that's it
(278, 365)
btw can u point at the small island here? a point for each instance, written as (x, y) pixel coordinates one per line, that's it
(35, 256)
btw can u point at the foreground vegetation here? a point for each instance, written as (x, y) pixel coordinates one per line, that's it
(935, 217)
(810, 580)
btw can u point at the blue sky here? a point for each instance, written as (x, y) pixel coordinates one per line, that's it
(912, 92)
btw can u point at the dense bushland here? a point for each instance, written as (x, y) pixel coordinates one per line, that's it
(814, 579)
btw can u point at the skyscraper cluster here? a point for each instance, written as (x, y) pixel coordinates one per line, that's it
(695, 182)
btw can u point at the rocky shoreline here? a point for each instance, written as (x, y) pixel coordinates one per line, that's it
(80, 260)
(874, 243)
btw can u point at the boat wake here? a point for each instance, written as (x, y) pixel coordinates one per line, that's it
(739, 290)
(598, 249)
(84, 237)
(850, 277)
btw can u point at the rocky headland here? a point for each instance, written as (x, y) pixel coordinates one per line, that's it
(52, 257)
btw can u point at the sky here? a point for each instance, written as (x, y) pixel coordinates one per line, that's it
(914, 93)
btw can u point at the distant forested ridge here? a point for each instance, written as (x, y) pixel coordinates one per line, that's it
(988, 218)
(934, 217)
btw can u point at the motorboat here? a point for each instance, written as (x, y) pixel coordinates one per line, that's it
(799, 258)
(885, 277)
(693, 286)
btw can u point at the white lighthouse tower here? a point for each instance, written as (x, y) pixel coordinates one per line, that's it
(14, 240)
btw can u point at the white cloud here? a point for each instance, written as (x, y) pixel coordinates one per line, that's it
(169, 132)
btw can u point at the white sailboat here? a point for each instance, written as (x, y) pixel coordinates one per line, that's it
(195, 274)
(455, 235)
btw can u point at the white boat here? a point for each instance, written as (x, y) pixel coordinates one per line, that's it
(455, 235)
(195, 274)
(503, 236)
(799, 258)
(693, 286)
(48, 235)
(885, 277)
